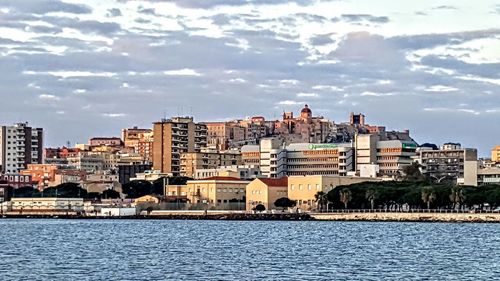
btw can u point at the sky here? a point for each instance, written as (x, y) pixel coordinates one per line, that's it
(85, 68)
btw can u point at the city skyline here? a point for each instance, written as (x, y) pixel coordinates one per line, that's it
(90, 68)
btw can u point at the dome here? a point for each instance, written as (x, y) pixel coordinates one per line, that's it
(306, 110)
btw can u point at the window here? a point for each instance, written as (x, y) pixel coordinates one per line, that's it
(300, 187)
(292, 187)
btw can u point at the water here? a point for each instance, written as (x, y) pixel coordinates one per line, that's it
(247, 250)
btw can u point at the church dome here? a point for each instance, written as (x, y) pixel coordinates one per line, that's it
(306, 111)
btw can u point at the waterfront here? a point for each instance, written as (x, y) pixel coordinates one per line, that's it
(246, 250)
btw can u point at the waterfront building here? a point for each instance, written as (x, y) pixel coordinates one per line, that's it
(265, 192)
(173, 137)
(191, 162)
(20, 145)
(450, 162)
(216, 190)
(47, 204)
(303, 188)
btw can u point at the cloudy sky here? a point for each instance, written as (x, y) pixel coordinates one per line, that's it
(87, 68)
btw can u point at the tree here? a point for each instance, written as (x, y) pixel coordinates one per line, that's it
(412, 173)
(457, 196)
(110, 194)
(284, 203)
(136, 189)
(345, 196)
(260, 208)
(371, 195)
(428, 196)
(321, 198)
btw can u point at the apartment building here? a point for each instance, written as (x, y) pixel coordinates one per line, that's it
(41, 174)
(495, 154)
(175, 136)
(20, 145)
(140, 140)
(450, 162)
(191, 162)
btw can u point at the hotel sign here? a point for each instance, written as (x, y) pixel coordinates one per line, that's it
(409, 145)
(322, 146)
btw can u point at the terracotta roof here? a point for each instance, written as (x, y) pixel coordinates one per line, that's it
(222, 179)
(275, 182)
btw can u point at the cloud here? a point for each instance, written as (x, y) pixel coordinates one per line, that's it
(440, 88)
(41, 7)
(47, 97)
(182, 72)
(307, 95)
(114, 115)
(372, 94)
(207, 4)
(290, 102)
(364, 18)
(114, 12)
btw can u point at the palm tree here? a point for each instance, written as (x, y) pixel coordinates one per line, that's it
(457, 196)
(321, 199)
(371, 195)
(428, 196)
(345, 196)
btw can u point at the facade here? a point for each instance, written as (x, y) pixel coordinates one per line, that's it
(20, 145)
(173, 137)
(67, 176)
(126, 172)
(191, 162)
(17, 180)
(495, 154)
(105, 141)
(46, 204)
(140, 140)
(488, 176)
(41, 174)
(390, 155)
(277, 160)
(216, 190)
(150, 176)
(303, 188)
(265, 192)
(245, 172)
(60, 153)
(450, 162)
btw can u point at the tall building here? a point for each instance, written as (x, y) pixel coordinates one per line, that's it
(20, 145)
(173, 137)
(495, 154)
(450, 162)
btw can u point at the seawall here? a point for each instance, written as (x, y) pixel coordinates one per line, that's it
(409, 217)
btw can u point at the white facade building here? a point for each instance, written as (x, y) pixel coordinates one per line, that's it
(20, 145)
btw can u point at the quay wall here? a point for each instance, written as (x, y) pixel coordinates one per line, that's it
(410, 217)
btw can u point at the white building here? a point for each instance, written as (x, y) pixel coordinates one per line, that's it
(47, 204)
(20, 145)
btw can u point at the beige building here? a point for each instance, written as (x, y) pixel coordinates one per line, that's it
(173, 137)
(191, 162)
(303, 188)
(265, 192)
(489, 175)
(46, 204)
(216, 190)
(495, 154)
(235, 171)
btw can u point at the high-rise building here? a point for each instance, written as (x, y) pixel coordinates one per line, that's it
(173, 137)
(20, 145)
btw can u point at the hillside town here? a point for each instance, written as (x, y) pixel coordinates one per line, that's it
(249, 164)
